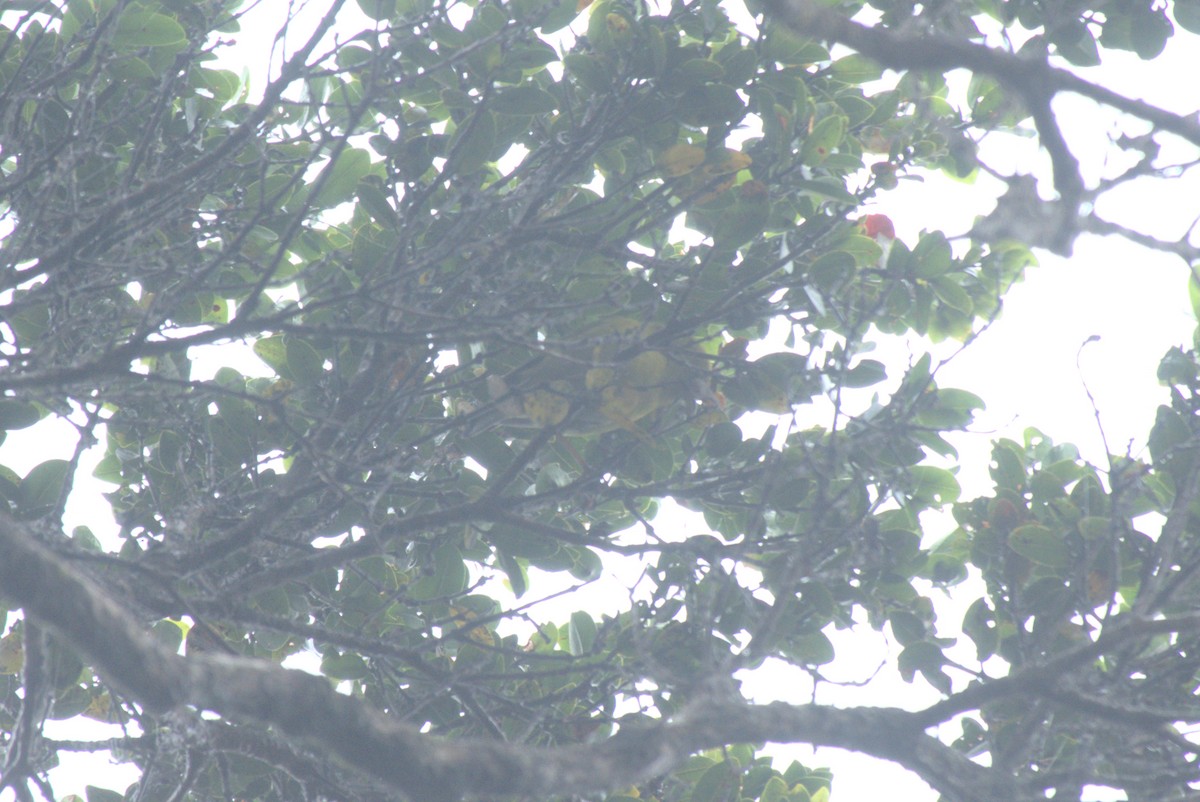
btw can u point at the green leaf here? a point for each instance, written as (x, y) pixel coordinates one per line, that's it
(979, 624)
(223, 84)
(1077, 45)
(1151, 30)
(907, 627)
(344, 666)
(950, 409)
(1169, 437)
(776, 790)
(581, 633)
(530, 55)
(739, 63)
(448, 36)
(741, 755)
(1095, 529)
(694, 72)
(18, 414)
(146, 29)
(771, 383)
(273, 351)
(304, 365)
(927, 659)
(937, 485)
(378, 10)
(592, 72)
(825, 188)
(168, 632)
(694, 768)
(711, 104)
(95, 794)
(721, 439)
(518, 580)
(809, 648)
(1041, 545)
(932, 256)
(858, 110)
(447, 576)
(866, 373)
(856, 69)
(865, 250)
(524, 99)
(353, 55)
(557, 14)
(720, 783)
(1194, 291)
(951, 398)
(952, 295)
(43, 486)
(824, 139)
(84, 538)
(340, 177)
(1008, 470)
(1187, 15)
(586, 565)
(375, 201)
(831, 268)
(471, 144)
(787, 47)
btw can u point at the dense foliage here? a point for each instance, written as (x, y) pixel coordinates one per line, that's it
(432, 326)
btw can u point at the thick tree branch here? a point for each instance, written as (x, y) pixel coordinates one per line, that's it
(424, 767)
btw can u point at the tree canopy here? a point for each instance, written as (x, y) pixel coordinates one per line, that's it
(471, 305)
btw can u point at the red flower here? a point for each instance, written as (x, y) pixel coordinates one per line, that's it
(876, 225)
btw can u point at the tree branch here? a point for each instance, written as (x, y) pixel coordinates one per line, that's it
(1034, 80)
(901, 51)
(154, 191)
(424, 767)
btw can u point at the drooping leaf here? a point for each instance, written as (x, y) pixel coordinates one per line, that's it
(581, 633)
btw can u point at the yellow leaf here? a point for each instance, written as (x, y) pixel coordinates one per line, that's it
(548, 407)
(726, 162)
(681, 159)
(480, 634)
(100, 708)
(12, 653)
(715, 191)
(614, 385)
